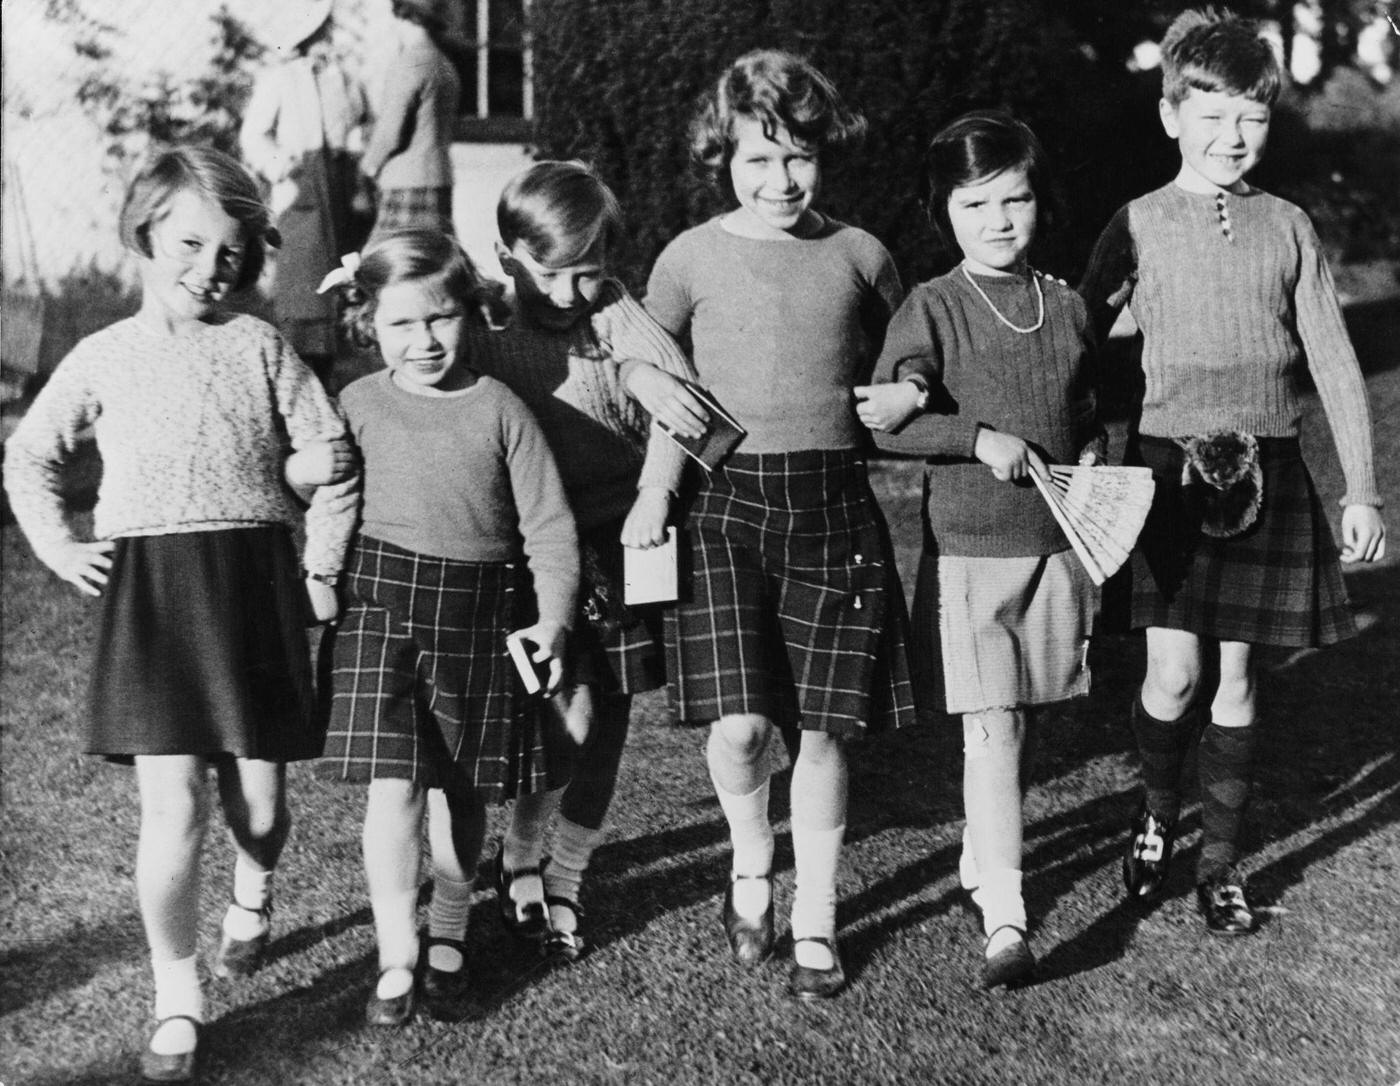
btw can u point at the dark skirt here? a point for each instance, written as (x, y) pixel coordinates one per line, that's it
(413, 209)
(1277, 583)
(616, 648)
(792, 608)
(202, 649)
(422, 685)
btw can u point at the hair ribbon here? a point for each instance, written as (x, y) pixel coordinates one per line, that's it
(343, 275)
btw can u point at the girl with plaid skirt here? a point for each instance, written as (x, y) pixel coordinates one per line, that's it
(201, 647)
(794, 614)
(1231, 291)
(992, 368)
(426, 705)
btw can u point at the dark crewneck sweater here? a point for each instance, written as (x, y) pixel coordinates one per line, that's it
(1038, 386)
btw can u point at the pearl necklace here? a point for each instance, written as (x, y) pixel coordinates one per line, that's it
(1039, 296)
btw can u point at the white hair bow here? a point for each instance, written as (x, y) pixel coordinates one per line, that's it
(349, 268)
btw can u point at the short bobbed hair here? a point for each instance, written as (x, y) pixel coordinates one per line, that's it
(1210, 50)
(213, 175)
(779, 90)
(402, 256)
(560, 212)
(975, 148)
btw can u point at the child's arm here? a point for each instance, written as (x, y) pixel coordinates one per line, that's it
(1363, 534)
(320, 463)
(1111, 276)
(389, 135)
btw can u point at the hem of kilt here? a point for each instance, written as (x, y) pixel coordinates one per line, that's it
(127, 756)
(1216, 631)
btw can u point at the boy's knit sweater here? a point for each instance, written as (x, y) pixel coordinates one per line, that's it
(468, 477)
(1038, 386)
(193, 431)
(780, 330)
(1230, 319)
(573, 382)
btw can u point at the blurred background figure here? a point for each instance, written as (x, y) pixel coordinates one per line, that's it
(415, 113)
(301, 128)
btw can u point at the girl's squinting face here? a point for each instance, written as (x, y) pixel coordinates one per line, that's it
(420, 331)
(994, 221)
(776, 180)
(196, 254)
(1221, 137)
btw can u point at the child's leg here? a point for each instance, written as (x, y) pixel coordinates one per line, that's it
(392, 849)
(968, 876)
(993, 742)
(456, 826)
(253, 795)
(174, 817)
(818, 824)
(1226, 755)
(1163, 723)
(737, 753)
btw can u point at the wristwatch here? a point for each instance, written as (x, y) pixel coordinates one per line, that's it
(328, 579)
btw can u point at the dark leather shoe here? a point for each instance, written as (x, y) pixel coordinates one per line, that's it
(1010, 967)
(1148, 854)
(750, 941)
(179, 1067)
(393, 1013)
(525, 920)
(1224, 903)
(444, 992)
(809, 984)
(563, 946)
(243, 957)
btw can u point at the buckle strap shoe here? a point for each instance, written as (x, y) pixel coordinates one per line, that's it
(1224, 902)
(750, 941)
(526, 920)
(443, 989)
(1010, 967)
(1148, 854)
(810, 984)
(243, 957)
(560, 945)
(172, 1066)
(394, 1012)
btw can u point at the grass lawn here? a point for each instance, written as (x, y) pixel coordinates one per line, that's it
(1124, 997)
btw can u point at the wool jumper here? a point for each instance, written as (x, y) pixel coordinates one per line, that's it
(780, 330)
(193, 431)
(1038, 386)
(466, 476)
(573, 382)
(1230, 318)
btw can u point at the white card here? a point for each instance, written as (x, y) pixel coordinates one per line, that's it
(649, 575)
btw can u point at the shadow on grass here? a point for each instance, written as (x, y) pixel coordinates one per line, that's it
(37, 971)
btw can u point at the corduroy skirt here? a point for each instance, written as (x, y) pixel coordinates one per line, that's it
(202, 649)
(792, 607)
(422, 686)
(1277, 583)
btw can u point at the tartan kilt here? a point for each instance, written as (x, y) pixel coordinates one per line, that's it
(616, 648)
(413, 209)
(422, 687)
(1277, 583)
(792, 608)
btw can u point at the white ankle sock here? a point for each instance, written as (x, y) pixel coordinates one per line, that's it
(177, 993)
(252, 886)
(394, 983)
(968, 876)
(447, 919)
(999, 898)
(816, 855)
(396, 929)
(751, 835)
(569, 859)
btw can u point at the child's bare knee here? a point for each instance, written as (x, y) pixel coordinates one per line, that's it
(986, 735)
(744, 736)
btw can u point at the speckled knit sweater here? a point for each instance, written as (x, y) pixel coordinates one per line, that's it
(193, 431)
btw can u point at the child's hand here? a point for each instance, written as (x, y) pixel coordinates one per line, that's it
(887, 407)
(666, 399)
(645, 526)
(321, 463)
(1363, 534)
(1009, 457)
(83, 565)
(546, 642)
(325, 602)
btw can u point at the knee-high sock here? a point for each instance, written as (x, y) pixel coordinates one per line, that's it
(1162, 748)
(1226, 757)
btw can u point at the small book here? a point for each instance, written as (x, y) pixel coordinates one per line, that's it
(719, 438)
(533, 676)
(649, 574)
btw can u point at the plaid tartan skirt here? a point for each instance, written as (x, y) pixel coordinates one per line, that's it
(202, 649)
(793, 607)
(1277, 583)
(413, 209)
(422, 686)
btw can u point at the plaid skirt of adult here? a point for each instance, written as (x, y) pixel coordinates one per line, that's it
(1277, 583)
(202, 649)
(422, 686)
(413, 209)
(792, 606)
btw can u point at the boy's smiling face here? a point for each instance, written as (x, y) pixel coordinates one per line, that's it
(1221, 137)
(554, 297)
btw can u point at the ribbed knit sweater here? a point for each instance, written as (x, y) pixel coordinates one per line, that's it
(780, 331)
(1230, 318)
(1038, 386)
(572, 381)
(467, 476)
(192, 429)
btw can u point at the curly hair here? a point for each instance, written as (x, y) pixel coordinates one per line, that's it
(170, 170)
(780, 90)
(401, 256)
(976, 147)
(560, 212)
(1211, 50)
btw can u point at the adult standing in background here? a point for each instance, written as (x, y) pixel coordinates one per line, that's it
(303, 117)
(415, 112)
